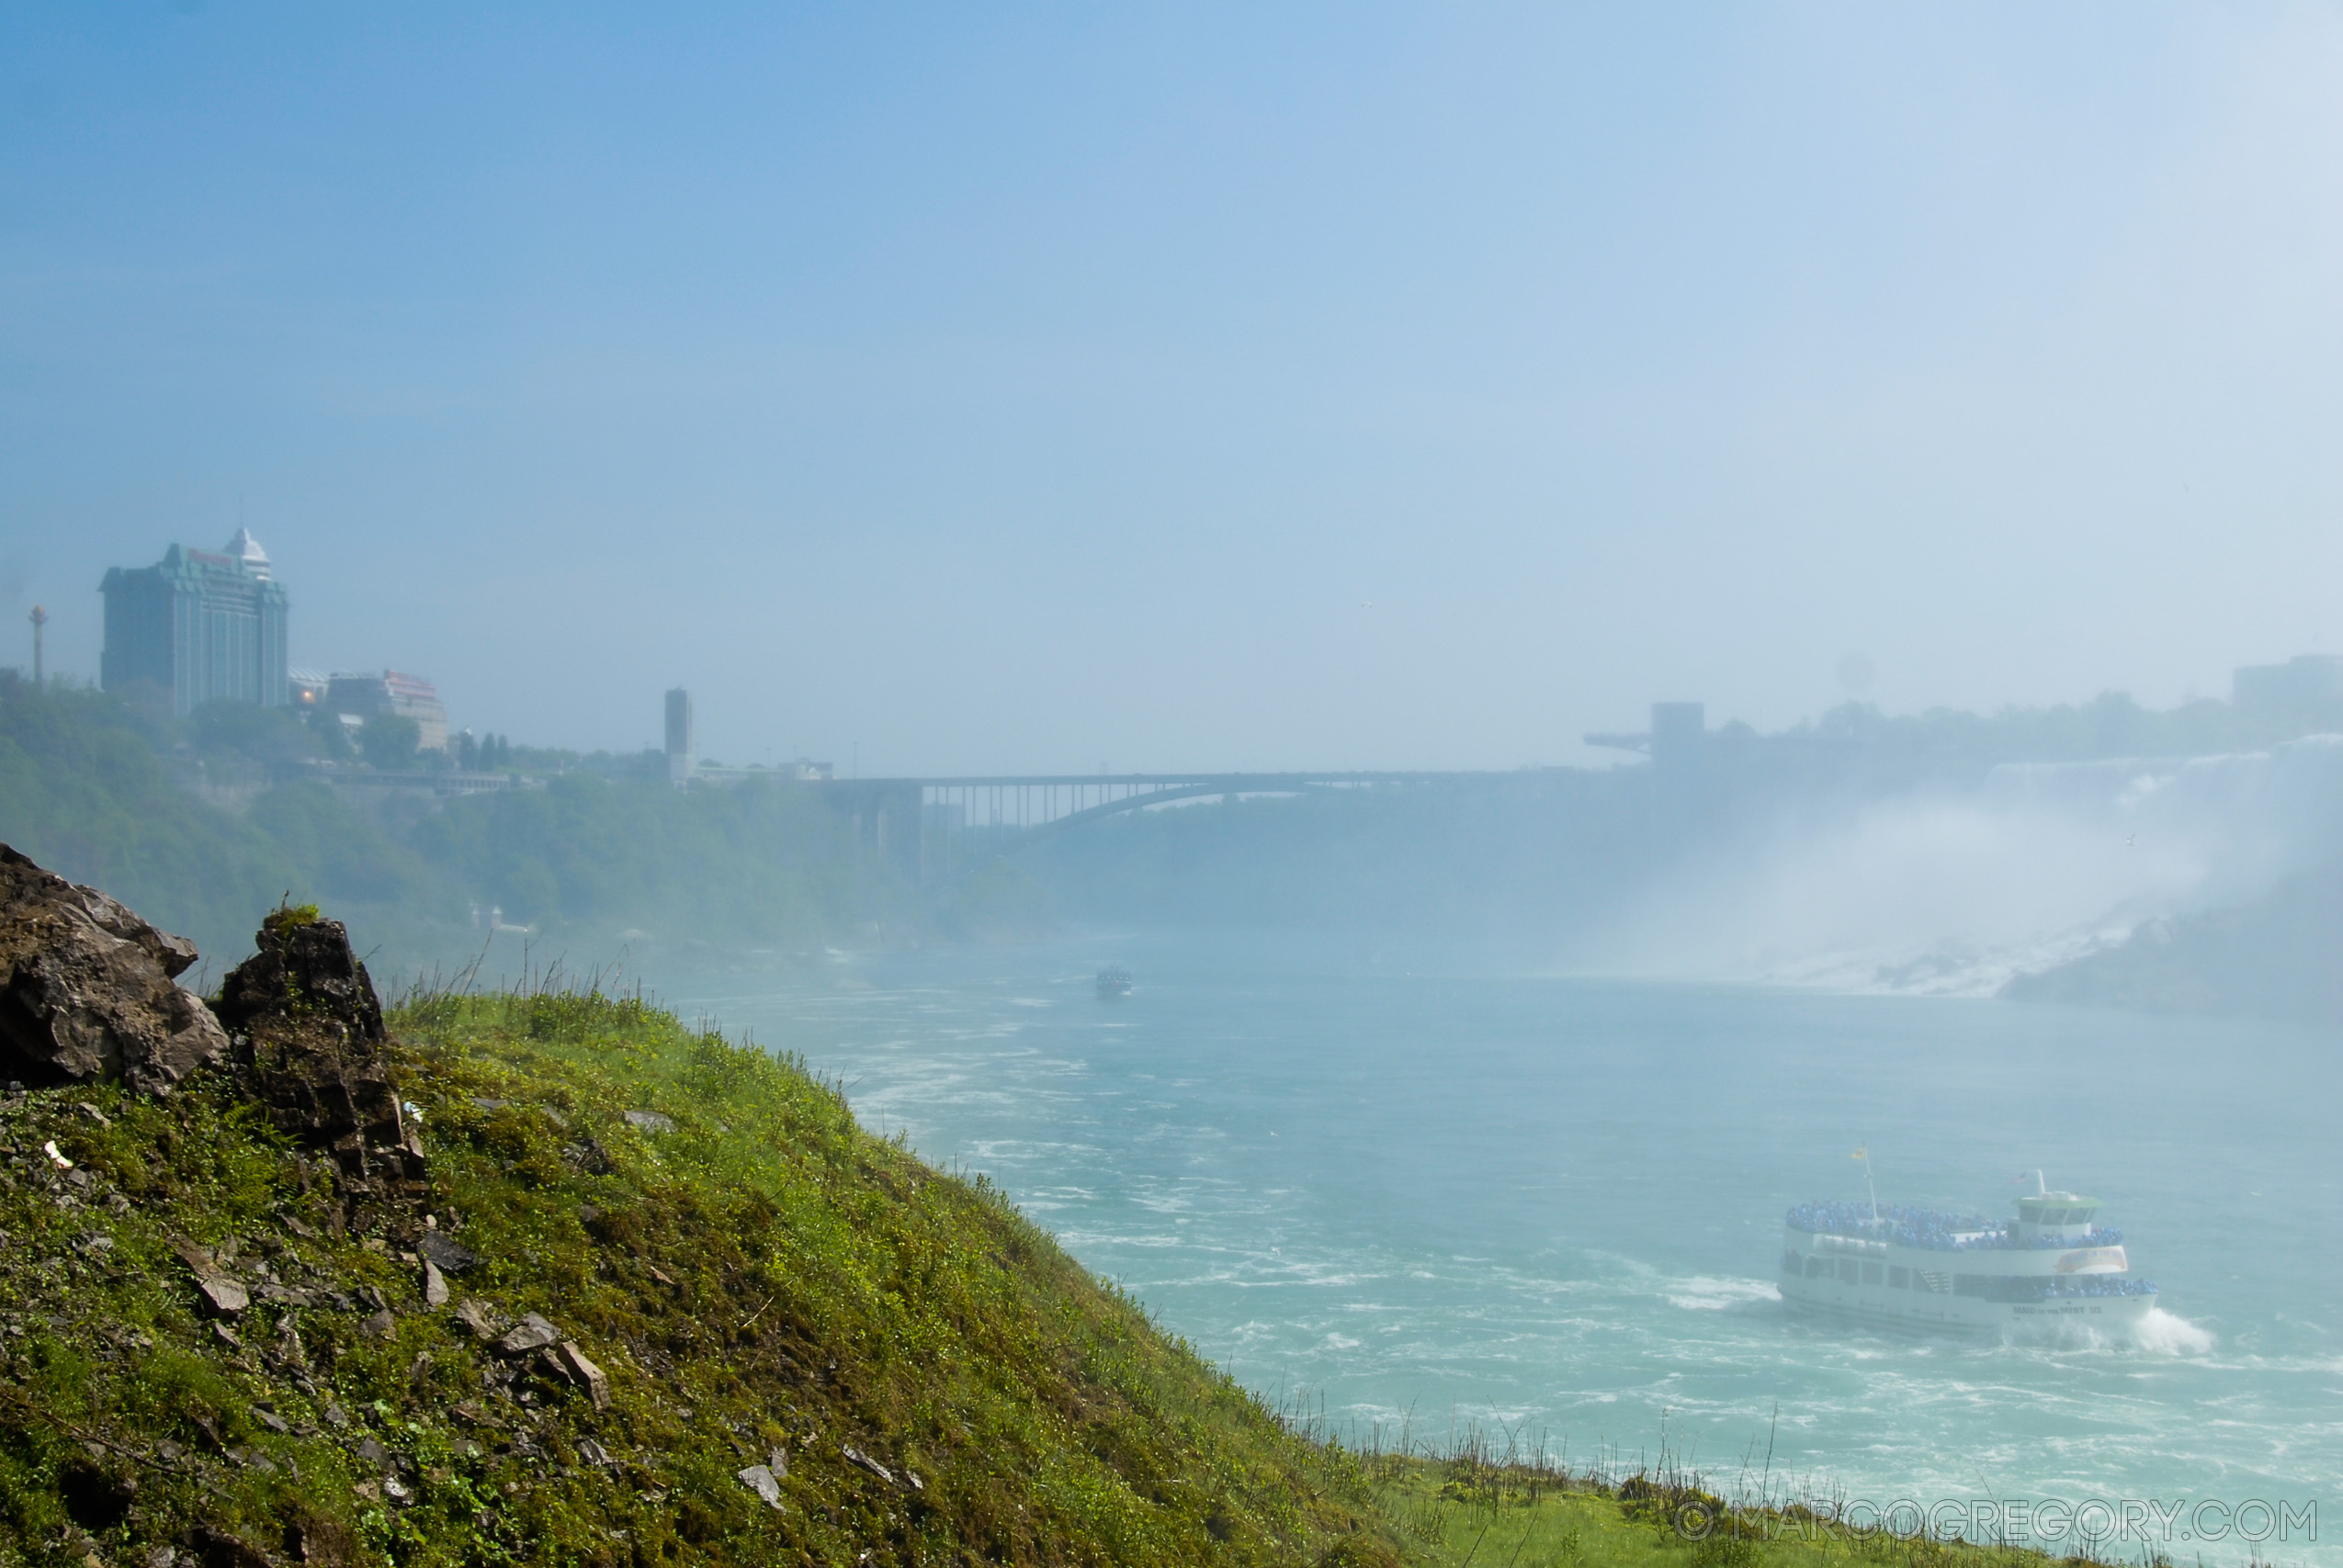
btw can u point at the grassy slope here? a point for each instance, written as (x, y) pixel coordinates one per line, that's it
(761, 1275)
(823, 1291)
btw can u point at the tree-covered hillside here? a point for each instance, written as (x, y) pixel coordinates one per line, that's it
(198, 824)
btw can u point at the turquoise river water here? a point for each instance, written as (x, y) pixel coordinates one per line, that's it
(1420, 1198)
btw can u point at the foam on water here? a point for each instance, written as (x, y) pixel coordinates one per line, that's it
(1702, 1294)
(2171, 1334)
(1560, 1201)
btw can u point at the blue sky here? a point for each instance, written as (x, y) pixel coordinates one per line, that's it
(1008, 388)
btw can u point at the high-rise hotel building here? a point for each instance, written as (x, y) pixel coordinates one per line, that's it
(199, 626)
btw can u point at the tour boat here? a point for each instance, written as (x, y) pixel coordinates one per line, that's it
(2052, 1267)
(1114, 981)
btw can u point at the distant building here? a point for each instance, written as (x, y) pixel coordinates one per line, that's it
(198, 625)
(305, 689)
(682, 759)
(2305, 679)
(1677, 737)
(361, 697)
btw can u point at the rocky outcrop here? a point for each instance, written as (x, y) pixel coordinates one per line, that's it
(87, 988)
(309, 1042)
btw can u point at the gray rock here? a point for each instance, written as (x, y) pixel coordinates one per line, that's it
(862, 1460)
(650, 1121)
(383, 1326)
(371, 1452)
(311, 1047)
(478, 1318)
(761, 1481)
(779, 1460)
(86, 988)
(435, 1286)
(595, 1453)
(532, 1333)
(222, 1295)
(583, 1373)
(451, 1256)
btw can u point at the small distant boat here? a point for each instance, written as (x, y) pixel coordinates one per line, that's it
(1114, 982)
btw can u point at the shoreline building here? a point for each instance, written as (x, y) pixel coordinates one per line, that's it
(306, 689)
(199, 625)
(408, 696)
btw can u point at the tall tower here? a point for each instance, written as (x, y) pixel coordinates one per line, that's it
(1678, 731)
(680, 757)
(39, 619)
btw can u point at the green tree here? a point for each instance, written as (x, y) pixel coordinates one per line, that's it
(82, 792)
(247, 729)
(388, 741)
(330, 735)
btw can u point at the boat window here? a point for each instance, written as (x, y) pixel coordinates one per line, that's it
(1817, 1267)
(2055, 1216)
(1872, 1273)
(1847, 1269)
(1939, 1284)
(1900, 1277)
(1790, 1264)
(1970, 1284)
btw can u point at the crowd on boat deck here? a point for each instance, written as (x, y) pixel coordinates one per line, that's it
(1901, 1225)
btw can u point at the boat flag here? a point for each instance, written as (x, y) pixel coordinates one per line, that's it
(1862, 1152)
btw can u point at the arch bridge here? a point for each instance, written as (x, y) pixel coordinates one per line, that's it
(924, 824)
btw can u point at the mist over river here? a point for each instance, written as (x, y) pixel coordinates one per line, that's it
(1421, 1194)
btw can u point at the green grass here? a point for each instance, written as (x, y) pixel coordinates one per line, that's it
(757, 1272)
(752, 1271)
(1464, 1510)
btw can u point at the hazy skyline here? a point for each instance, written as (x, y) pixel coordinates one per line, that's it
(1187, 387)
